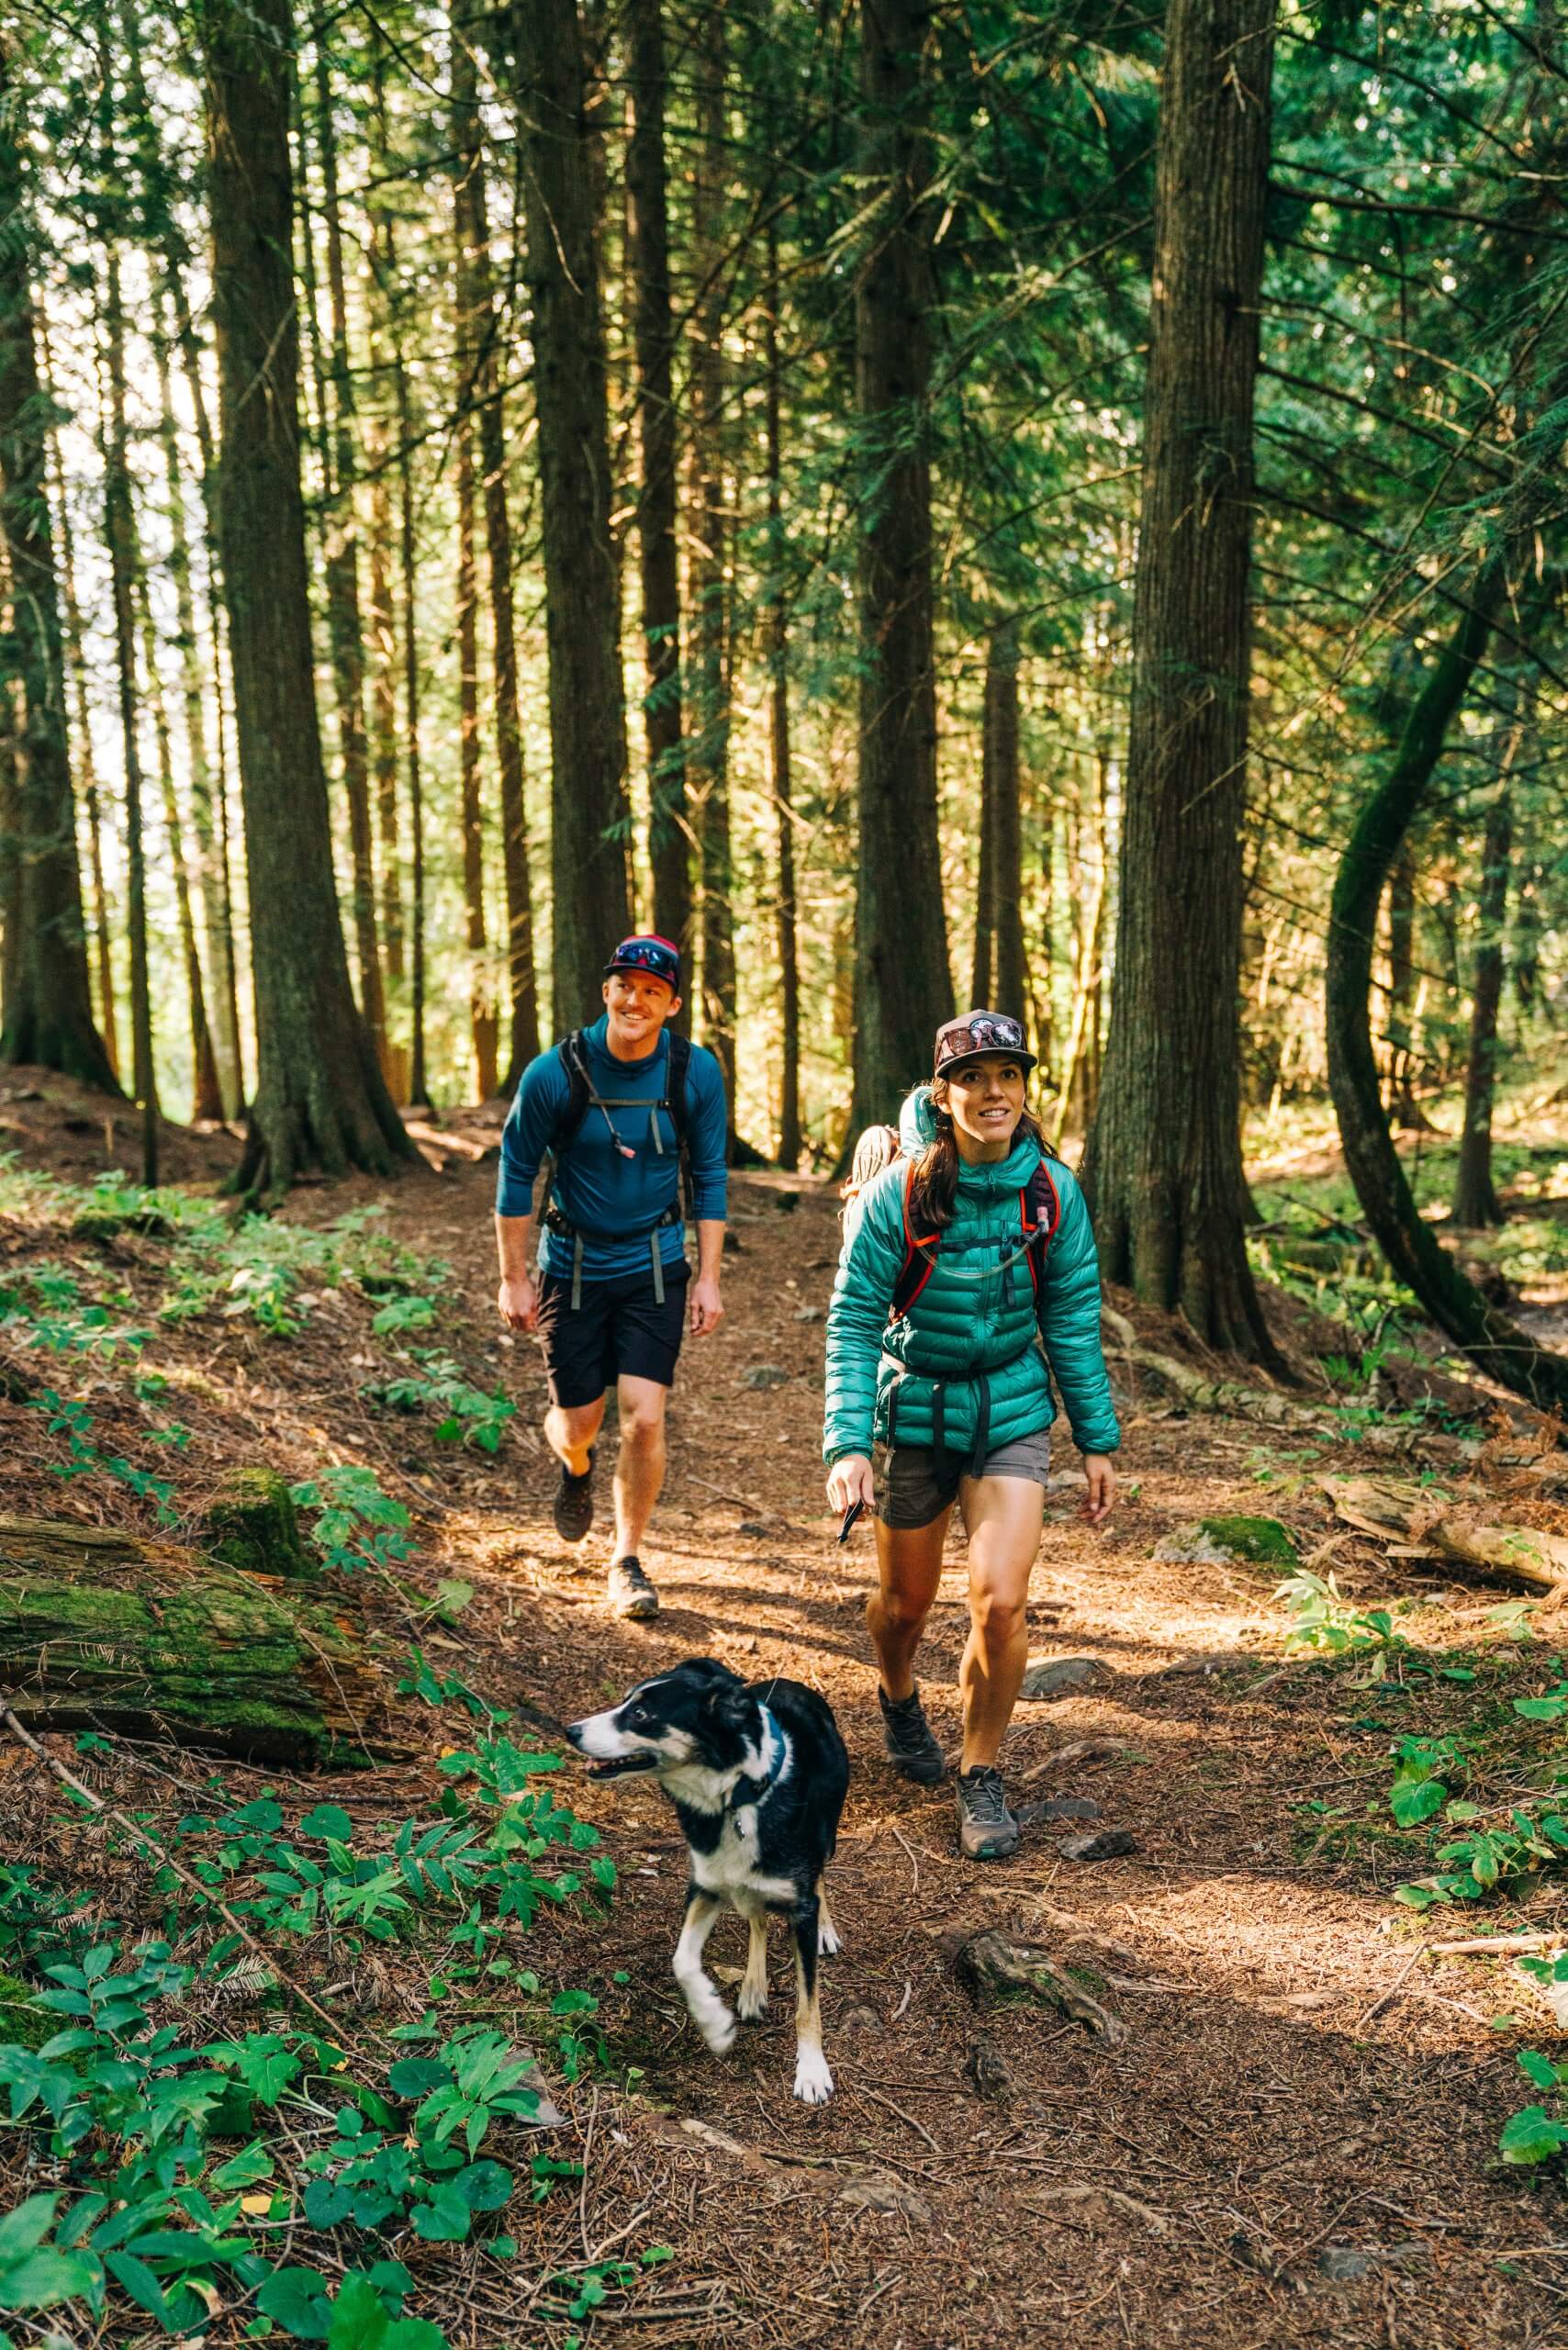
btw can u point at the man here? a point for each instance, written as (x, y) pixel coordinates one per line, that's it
(623, 1109)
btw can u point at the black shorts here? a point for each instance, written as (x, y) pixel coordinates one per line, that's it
(619, 1331)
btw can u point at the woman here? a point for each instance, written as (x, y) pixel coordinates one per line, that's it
(933, 1364)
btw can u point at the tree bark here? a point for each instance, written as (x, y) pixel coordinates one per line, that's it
(779, 735)
(1163, 1169)
(982, 965)
(206, 1101)
(591, 893)
(708, 756)
(481, 1009)
(1475, 1200)
(1001, 752)
(49, 1014)
(418, 1082)
(344, 623)
(321, 1099)
(1415, 1254)
(119, 533)
(669, 834)
(904, 985)
(1406, 1111)
(479, 327)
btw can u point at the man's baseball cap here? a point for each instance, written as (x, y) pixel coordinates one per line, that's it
(974, 1033)
(647, 951)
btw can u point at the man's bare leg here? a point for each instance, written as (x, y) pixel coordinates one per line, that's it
(571, 1430)
(640, 1463)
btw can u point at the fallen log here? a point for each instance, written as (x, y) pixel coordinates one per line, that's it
(100, 1630)
(1379, 1506)
(1233, 1399)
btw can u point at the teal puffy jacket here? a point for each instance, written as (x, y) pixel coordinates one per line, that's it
(967, 1343)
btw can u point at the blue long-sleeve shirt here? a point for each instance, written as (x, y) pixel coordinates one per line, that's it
(612, 1201)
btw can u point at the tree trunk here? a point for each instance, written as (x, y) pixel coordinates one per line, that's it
(1044, 999)
(1163, 1169)
(903, 987)
(1404, 1108)
(418, 1083)
(217, 1087)
(708, 754)
(1001, 753)
(778, 728)
(669, 834)
(481, 1009)
(983, 967)
(85, 765)
(119, 533)
(591, 893)
(321, 1099)
(205, 1100)
(385, 359)
(48, 1013)
(1415, 1257)
(478, 325)
(100, 1630)
(345, 624)
(1475, 1200)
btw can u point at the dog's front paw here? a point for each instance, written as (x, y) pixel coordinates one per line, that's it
(813, 2082)
(828, 1944)
(718, 2029)
(752, 2004)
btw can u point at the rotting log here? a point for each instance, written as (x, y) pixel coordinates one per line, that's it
(100, 1630)
(1374, 1506)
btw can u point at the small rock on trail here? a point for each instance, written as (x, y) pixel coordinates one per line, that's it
(1059, 1676)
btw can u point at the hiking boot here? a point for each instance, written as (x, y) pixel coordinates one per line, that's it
(630, 1592)
(574, 1503)
(912, 1747)
(987, 1830)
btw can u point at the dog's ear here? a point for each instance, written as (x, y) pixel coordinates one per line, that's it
(727, 1705)
(708, 1668)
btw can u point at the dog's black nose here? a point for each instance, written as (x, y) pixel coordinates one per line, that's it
(574, 1732)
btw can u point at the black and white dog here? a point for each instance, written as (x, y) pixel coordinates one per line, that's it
(757, 1774)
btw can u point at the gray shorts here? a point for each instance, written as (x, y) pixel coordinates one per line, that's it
(911, 1494)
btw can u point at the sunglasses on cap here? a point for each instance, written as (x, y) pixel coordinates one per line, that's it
(981, 1032)
(654, 955)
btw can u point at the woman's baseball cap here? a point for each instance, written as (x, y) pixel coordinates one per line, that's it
(647, 951)
(975, 1032)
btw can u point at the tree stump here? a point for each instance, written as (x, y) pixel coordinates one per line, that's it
(102, 1630)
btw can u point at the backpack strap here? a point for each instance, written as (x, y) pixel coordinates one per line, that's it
(678, 1103)
(1039, 1211)
(579, 1090)
(920, 1253)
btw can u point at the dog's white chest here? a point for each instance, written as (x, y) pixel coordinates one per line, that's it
(734, 1866)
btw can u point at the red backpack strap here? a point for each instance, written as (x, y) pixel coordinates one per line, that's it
(919, 1256)
(1039, 1213)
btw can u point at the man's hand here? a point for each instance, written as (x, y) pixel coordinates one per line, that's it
(517, 1303)
(707, 1306)
(1096, 1505)
(850, 1479)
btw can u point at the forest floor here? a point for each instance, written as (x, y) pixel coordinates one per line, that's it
(1296, 2141)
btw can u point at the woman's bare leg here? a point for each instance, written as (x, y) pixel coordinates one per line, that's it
(1004, 1515)
(909, 1565)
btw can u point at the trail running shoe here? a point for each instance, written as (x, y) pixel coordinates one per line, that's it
(630, 1592)
(912, 1746)
(574, 1503)
(987, 1830)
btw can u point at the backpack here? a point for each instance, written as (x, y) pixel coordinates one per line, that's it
(582, 1097)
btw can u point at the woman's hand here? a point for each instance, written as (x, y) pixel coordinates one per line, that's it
(850, 1480)
(1096, 1505)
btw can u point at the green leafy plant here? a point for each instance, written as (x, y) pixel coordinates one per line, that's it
(470, 1415)
(1323, 1619)
(357, 1523)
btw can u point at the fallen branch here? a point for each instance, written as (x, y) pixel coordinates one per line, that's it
(141, 1833)
(1374, 1506)
(992, 1965)
(1496, 1945)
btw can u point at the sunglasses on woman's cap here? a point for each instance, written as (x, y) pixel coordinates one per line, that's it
(656, 956)
(981, 1032)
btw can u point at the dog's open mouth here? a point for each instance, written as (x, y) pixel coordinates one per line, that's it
(621, 1766)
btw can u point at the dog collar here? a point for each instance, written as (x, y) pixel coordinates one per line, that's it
(775, 1746)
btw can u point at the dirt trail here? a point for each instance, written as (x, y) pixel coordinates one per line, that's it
(1259, 2163)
